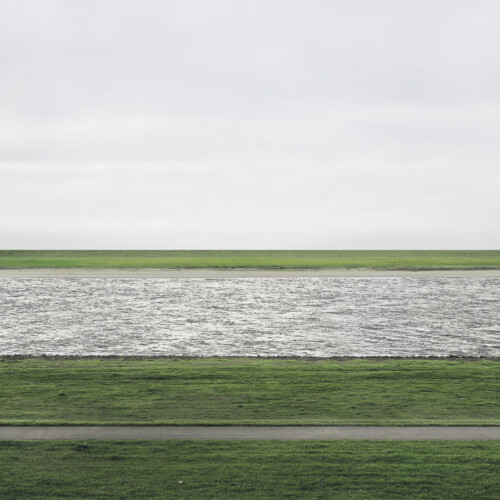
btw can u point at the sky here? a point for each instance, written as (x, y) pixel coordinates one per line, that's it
(232, 124)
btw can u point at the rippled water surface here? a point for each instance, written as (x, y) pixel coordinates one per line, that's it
(249, 317)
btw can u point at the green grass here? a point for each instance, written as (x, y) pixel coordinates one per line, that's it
(271, 259)
(249, 391)
(250, 469)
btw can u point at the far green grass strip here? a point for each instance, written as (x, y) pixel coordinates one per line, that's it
(249, 392)
(257, 470)
(267, 259)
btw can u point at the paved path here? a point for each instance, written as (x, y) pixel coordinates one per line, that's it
(247, 432)
(243, 273)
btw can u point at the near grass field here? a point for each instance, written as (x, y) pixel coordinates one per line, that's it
(249, 391)
(250, 469)
(270, 259)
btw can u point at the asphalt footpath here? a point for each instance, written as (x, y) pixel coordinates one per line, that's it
(247, 432)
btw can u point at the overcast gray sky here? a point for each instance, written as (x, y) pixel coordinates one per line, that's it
(315, 124)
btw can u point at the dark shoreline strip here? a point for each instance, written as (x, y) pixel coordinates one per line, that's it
(110, 357)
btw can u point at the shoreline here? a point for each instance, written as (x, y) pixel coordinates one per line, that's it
(207, 273)
(118, 357)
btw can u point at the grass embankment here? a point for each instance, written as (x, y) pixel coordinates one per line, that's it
(235, 469)
(270, 259)
(249, 391)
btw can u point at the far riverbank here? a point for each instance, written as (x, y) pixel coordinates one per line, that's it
(245, 273)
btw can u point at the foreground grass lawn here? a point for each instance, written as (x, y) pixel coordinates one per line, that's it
(292, 259)
(249, 391)
(250, 469)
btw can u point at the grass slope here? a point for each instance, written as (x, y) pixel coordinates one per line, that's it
(249, 391)
(275, 259)
(256, 469)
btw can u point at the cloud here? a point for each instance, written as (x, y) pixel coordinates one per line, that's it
(297, 124)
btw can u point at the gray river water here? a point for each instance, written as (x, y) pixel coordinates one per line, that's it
(251, 317)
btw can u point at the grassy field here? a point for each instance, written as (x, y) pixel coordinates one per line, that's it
(249, 391)
(255, 469)
(275, 259)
